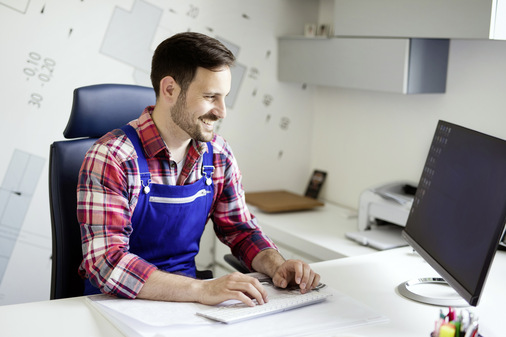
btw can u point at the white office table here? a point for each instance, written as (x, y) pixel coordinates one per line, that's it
(320, 231)
(371, 279)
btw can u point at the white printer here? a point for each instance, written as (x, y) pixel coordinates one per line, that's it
(382, 214)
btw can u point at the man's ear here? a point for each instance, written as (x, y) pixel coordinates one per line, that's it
(169, 89)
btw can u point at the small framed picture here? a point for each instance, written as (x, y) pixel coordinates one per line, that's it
(310, 30)
(324, 30)
(315, 184)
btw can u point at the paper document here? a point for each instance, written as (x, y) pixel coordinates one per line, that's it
(153, 318)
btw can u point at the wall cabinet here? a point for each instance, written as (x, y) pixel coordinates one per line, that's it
(468, 19)
(407, 66)
(398, 46)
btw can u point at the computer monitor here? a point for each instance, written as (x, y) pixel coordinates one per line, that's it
(459, 210)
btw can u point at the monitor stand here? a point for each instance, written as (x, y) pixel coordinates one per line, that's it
(431, 290)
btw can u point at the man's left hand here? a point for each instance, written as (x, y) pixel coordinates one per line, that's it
(296, 272)
(285, 273)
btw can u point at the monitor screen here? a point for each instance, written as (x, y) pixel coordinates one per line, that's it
(458, 214)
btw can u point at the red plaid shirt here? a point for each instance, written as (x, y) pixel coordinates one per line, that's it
(107, 193)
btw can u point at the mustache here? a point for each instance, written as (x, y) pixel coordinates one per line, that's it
(210, 116)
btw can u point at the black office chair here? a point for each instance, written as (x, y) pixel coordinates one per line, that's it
(235, 263)
(96, 110)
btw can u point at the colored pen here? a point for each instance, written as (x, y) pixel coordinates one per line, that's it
(457, 324)
(451, 314)
(472, 330)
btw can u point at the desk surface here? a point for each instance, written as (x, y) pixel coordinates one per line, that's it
(371, 279)
(320, 231)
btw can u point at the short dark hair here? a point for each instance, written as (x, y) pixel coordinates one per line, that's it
(180, 55)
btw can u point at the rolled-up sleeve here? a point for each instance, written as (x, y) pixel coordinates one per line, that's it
(105, 200)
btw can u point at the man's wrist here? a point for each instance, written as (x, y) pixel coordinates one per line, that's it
(197, 291)
(163, 286)
(268, 261)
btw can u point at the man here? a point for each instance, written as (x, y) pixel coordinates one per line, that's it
(146, 191)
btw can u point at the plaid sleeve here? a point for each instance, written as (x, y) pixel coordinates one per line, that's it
(104, 209)
(234, 225)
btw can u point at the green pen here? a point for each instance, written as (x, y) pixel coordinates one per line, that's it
(457, 324)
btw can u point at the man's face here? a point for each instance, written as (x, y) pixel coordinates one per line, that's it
(197, 110)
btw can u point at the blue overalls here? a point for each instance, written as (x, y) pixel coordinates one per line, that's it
(168, 221)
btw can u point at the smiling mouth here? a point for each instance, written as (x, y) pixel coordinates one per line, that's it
(208, 123)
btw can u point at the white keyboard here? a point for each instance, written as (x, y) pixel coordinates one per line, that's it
(281, 302)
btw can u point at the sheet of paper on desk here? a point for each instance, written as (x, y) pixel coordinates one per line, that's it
(146, 318)
(153, 318)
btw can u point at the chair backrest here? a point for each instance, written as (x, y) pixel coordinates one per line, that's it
(96, 110)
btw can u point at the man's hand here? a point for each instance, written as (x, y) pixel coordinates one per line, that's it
(296, 272)
(285, 273)
(162, 286)
(235, 286)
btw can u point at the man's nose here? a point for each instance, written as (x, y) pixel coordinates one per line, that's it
(220, 109)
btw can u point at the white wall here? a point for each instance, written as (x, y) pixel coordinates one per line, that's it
(365, 138)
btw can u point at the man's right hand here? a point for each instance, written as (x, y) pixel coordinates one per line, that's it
(162, 286)
(235, 286)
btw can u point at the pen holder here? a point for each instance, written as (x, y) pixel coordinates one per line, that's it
(432, 334)
(453, 324)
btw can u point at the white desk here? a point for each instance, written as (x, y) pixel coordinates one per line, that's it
(319, 231)
(370, 279)
(373, 279)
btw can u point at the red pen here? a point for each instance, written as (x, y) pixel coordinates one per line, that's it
(472, 330)
(451, 314)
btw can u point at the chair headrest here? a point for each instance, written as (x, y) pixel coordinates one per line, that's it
(98, 109)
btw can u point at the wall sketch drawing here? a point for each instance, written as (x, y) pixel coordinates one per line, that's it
(238, 72)
(18, 5)
(16, 194)
(39, 70)
(130, 33)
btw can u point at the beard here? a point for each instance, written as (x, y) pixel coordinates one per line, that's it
(183, 119)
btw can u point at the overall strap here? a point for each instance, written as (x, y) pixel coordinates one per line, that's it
(141, 159)
(207, 164)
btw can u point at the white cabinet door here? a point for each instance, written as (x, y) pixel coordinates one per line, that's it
(469, 19)
(389, 65)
